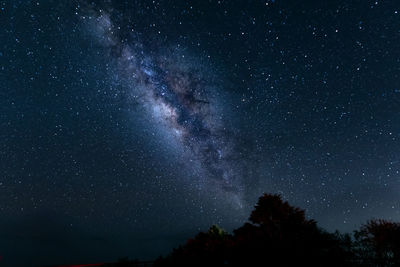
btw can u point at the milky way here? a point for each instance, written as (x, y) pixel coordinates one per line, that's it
(133, 124)
(181, 97)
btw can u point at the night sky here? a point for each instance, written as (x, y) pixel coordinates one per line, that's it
(128, 126)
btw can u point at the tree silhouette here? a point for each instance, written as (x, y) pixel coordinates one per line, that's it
(277, 234)
(271, 210)
(378, 243)
(280, 235)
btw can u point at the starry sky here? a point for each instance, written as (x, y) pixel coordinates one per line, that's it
(128, 126)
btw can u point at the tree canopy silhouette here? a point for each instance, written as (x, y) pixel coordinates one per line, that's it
(277, 234)
(280, 234)
(378, 243)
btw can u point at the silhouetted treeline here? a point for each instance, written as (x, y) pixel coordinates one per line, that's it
(279, 234)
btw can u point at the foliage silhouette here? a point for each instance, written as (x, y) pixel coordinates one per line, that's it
(377, 243)
(277, 234)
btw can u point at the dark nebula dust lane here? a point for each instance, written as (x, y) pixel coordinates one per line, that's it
(181, 97)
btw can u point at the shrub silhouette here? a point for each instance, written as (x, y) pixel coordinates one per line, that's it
(204, 249)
